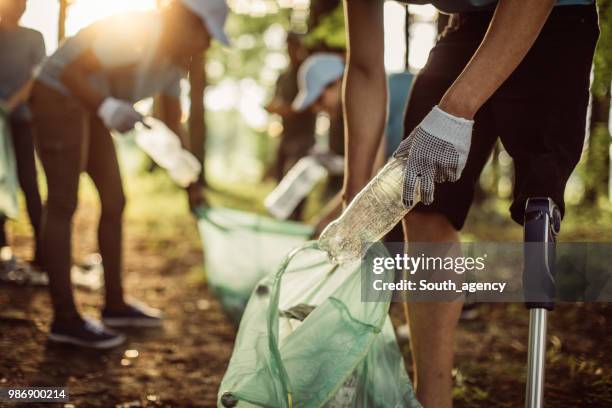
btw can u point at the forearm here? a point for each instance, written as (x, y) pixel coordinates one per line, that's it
(364, 127)
(514, 28)
(280, 108)
(20, 96)
(170, 113)
(78, 84)
(364, 94)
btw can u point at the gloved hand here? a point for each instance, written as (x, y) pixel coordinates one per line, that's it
(436, 152)
(118, 114)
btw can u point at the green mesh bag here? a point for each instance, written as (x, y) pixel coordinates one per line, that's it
(241, 248)
(307, 340)
(9, 185)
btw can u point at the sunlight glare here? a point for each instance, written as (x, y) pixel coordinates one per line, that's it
(84, 12)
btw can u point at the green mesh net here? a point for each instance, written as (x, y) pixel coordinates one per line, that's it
(9, 206)
(307, 340)
(241, 248)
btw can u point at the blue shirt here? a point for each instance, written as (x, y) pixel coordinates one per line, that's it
(21, 51)
(127, 47)
(399, 87)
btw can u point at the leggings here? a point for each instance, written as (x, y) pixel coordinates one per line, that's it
(69, 141)
(21, 132)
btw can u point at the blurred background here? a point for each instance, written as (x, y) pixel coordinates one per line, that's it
(224, 102)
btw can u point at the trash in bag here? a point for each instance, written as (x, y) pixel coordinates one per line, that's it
(308, 340)
(9, 185)
(241, 248)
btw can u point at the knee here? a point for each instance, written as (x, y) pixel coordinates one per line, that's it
(113, 208)
(61, 206)
(422, 226)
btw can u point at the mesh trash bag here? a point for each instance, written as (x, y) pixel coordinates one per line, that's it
(307, 340)
(240, 248)
(9, 206)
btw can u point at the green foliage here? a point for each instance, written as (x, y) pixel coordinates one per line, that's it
(603, 55)
(597, 160)
(247, 55)
(330, 32)
(597, 165)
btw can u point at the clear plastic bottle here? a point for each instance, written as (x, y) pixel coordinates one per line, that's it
(294, 187)
(372, 213)
(164, 147)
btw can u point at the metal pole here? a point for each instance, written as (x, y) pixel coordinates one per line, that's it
(536, 357)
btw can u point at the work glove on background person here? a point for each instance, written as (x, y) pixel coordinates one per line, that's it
(119, 115)
(436, 152)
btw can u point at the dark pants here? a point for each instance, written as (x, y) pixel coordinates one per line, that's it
(69, 141)
(539, 112)
(21, 132)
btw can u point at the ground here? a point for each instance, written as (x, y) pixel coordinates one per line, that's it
(183, 365)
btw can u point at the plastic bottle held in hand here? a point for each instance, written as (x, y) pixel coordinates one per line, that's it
(164, 147)
(369, 217)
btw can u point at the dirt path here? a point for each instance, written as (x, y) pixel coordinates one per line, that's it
(182, 365)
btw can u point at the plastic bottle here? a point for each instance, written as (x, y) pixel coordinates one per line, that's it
(372, 213)
(164, 147)
(294, 187)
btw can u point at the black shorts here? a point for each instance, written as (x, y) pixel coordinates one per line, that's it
(539, 112)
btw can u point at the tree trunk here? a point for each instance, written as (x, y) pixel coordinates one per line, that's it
(598, 155)
(61, 21)
(197, 125)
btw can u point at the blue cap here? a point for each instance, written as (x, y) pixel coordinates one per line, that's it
(316, 73)
(213, 13)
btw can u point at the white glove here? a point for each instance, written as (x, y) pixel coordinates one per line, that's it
(436, 152)
(118, 114)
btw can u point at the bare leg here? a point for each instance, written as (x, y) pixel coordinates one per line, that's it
(432, 324)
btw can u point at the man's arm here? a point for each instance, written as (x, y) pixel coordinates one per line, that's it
(514, 28)
(364, 94)
(114, 113)
(75, 77)
(280, 107)
(170, 113)
(278, 104)
(20, 96)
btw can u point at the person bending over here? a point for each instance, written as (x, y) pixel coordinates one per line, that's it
(84, 90)
(514, 69)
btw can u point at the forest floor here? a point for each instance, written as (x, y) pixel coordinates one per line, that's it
(183, 364)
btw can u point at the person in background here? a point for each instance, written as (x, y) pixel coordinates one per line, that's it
(321, 91)
(84, 90)
(298, 135)
(514, 69)
(320, 85)
(21, 51)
